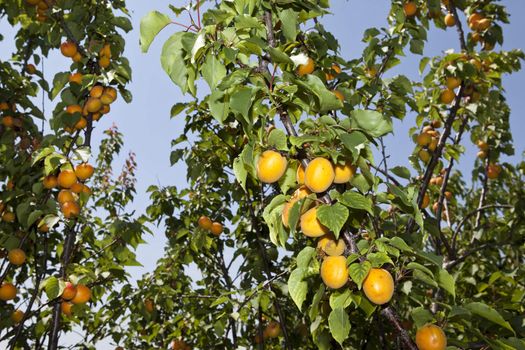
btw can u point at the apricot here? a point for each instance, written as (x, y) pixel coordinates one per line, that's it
(216, 228)
(426, 201)
(30, 68)
(205, 223)
(450, 20)
(482, 154)
(17, 316)
(330, 245)
(410, 9)
(333, 69)
(493, 171)
(272, 330)
(310, 225)
(482, 145)
(473, 20)
(299, 194)
(334, 272)
(16, 256)
(8, 217)
(66, 178)
(70, 291)
(344, 173)
(105, 51)
(424, 155)
(83, 295)
(271, 166)
(104, 62)
(483, 24)
(423, 139)
(299, 175)
(77, 57)
(447, 96)
(179, 345)
(339, 95)
(319, 175)
(68, 49)
(70, 209)
(149, 305)
(109, 96)
(96, 91)
(433, 144)
(81, 124)
(7, 291)
(75, 78)
(65, 196)
(307, 68)
(431, 337)
(8, 121)
(73, 109)
(379, 286)
(84, 171)
(65, 307)
(93, 105)
(50, 182)
(77, 188)
(453, 82)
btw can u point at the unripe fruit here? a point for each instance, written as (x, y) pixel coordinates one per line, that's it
(68, 49)
(424, 155)
(205, 223)
(17, 316)
(310, 225)
(306, 68)
(331, 246)
(410, 9)
(70, 291)
(423, 139)
(319, 175)
(50, 182)
(344, 173)
(216, 228)
(82, 296)
(16, 256)
(334, 271)
(70, 209)
(66, 178)
(431, 337)
(379, 286)
(7, 291)
(447, 96)
(84, 171)
(271, 166)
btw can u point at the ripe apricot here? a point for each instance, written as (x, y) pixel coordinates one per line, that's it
(299, 175)
(339, 95)
(272, 330)
(450, 20)
(205, 223)
(307, 68)
(8, 217)
(149, 305)
(81, 124)
(30, 68)
(70, 209)
(66, 178)
(105, 51)
(299, 194)
(453, 82)
(483, 24)
(65, 196)
(68, 49)
(8, 121)
(66, 308)
(216, 228)
(271, 166)
(109, 96)
(96, 91)
(473, 20)
(319, 175)
(482, 154)
(16, 256)
(83, 295)
(50, 182)
(410, 9)
(334, 69)
(310, 225)
(344, 173)
(379, 286)
(334, 271)
(77, 188)
(330, 245)
(423, 139)
(431, 337)
(493, 171)
(433, 144)
(426, 201)
(77, 57)
(73, 109)
(104, 62)
(447, 96)
(84, 171)
(93, 105)
(424, 155)
(179, 345)
(17, 316)
(70, 291)
(7, 291)
(75, 78)
(482, 145)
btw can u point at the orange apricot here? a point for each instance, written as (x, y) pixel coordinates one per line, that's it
(271, 166)
(379, 286)
(310, 225)
(334, 272)
(431, 337)
(319, 175)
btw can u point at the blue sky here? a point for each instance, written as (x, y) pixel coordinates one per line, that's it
(149, 130)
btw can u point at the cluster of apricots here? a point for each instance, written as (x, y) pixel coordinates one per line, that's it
(428, 140)
(320, 174)
(71, 184)
(70, 49)
(479, 24)
(308, 67)
(74, 295)
(97, 104)
(42, 8)
(206, 224)
(448, 95)
(8, 291)
(493, 169)
(12, 119)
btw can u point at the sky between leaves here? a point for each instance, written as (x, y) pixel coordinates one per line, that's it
(148, 129)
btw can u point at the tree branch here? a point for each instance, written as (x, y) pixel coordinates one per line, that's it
(390, 314)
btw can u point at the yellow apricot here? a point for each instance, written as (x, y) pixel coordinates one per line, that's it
(271, 166)
(319, 175)
(379, 286)
(344, 173)
(330, 245)
(310, 225)
(334, 271)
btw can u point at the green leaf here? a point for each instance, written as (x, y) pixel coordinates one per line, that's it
(421, 316)
(213, 71)
(359, 271)
(417, 266)
(400, 244)
(172, 59)
(339, 324)
(341, 299)
(326, 100)
(333, 217)
(379, 259)
(59, 81)
(305, 256)
(277, 140)
(51, 287)
(177, 108)
(219, 108)
(240, 171)
(354, 142)
(401, 171)
(374, 123)
(488, 313)
(241, 101)
(289, 24)
(278, 56)
(447, 282)
(297, 287)
(150, 26)
(356, 200)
